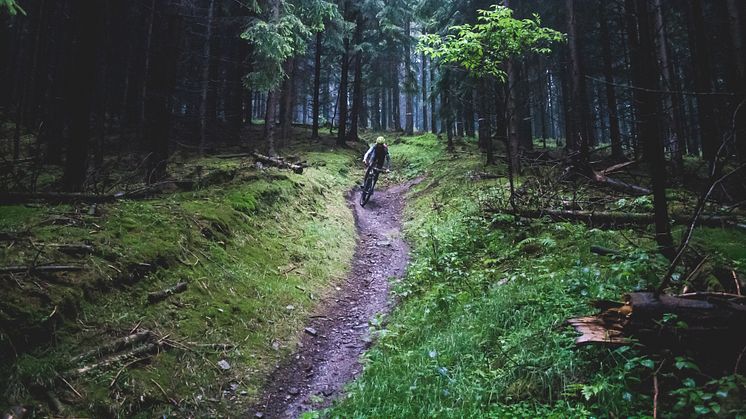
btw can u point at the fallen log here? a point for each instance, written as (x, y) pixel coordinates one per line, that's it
(114, 346)
(616, 167)
(136, 352)
(596, 330)
(278, 162)
(705, 323)
(154, 297)
(70, 247)
(625, 218)
(604, 251)
(43, 268)
(601, 179)
(234, 155)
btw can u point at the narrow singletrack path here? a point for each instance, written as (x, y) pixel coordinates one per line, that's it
(327, 357)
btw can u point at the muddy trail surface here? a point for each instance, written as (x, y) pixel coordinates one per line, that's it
(327, 357)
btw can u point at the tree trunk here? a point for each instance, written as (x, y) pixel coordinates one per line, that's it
(316, 85)
(739, 85)
(523, 107)
(579, 107)
(357, 87)
(611, 105)
(469, 111)
(342, 97)
(446, 110)
(512, 119)
(160, 85)
(238, 102)
(288, 102)
(423, 59)
(81, 76)
(543, 83)
(409, 82)
(375, 109)
(205, 77)
(101, 91)
(433, 119)
(485, 137)
(384, 108)
(646, 104)
(674, 118)
(395, 93)
(269, 122)
(271, 104)
(710, 139)
(146, 73)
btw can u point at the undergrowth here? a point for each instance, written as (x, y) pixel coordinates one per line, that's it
(480, 326)
(258, 254)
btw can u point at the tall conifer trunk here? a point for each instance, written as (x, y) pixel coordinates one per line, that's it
(357, 87)
(710, 139)
(579, 108)
(316, 86)
(646, 104)
(342, 97)
(409, 88)
(674, 118)
(81, 83)
(423, 62)
(205, 77)
(611, 102)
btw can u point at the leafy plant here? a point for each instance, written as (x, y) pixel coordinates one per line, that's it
(482, 48)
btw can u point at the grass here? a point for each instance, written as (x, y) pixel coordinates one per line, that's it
(258, 255)
(479, 330)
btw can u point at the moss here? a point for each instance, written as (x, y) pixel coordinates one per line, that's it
(248, 250)
(727, 243)
(14, 218)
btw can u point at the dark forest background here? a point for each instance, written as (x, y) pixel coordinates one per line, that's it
(87, 78)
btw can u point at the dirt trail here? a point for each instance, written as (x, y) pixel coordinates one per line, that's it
(335, 338)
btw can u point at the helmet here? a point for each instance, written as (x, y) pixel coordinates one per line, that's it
(380, 140)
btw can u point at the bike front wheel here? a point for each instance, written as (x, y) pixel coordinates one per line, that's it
(367, 190)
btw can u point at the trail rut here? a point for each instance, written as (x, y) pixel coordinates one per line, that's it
(335, 338)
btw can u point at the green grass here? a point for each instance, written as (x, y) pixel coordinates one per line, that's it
(479, 330)
(258, 256)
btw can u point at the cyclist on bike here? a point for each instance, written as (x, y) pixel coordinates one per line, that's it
(377, 156)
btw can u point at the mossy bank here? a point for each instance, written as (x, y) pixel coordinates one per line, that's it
(257, 254)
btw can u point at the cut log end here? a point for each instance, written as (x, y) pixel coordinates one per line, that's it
(711, 324)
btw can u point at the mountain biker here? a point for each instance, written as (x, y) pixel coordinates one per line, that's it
(377, 156)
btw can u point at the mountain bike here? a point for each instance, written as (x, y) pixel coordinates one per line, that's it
(371, 177)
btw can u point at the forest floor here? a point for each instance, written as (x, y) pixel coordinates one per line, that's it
(277, 262)
(336, 337)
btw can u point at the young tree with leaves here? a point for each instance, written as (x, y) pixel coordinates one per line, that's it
(484, 48)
